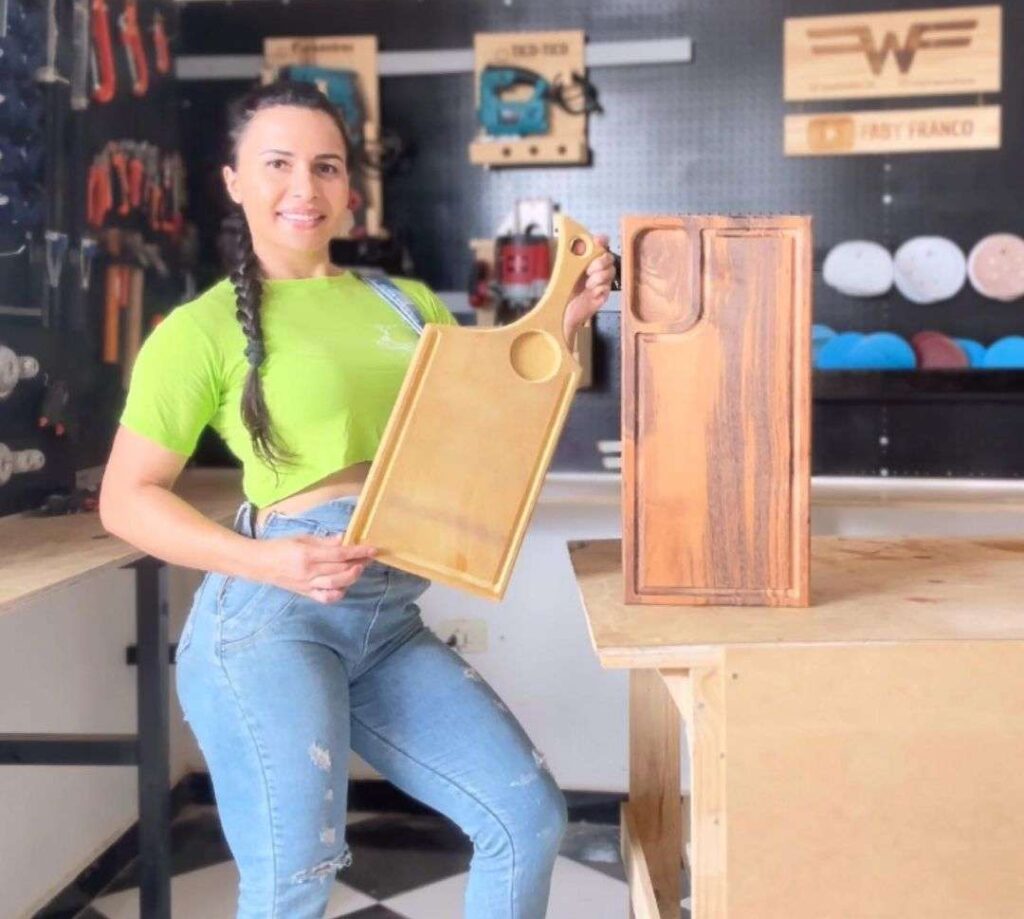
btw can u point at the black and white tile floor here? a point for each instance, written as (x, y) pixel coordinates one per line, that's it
(405, 866)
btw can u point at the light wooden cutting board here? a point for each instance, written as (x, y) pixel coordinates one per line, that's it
(716, 409)
(467, 446)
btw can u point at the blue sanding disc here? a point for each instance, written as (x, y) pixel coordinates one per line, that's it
(1006, 353)
(974, 350)
(834, 353)
(881, 351)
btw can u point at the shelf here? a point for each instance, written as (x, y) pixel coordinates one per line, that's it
(918, 385)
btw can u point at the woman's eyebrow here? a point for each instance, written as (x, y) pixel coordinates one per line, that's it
(319, 156)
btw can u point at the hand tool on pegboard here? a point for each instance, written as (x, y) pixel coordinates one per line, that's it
(14, 368)
(48, 73)
(80, 55)
(115, 295)
(104, 76)
(54, 411)
(55, 240)
(501, 115)
(135, 51)
(78, 319)
(99, 199)
(19, 462)
(119, 165)
(161, 46)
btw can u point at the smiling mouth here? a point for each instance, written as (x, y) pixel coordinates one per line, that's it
(302, 221)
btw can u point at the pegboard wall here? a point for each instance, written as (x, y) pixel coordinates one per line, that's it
(705, 136)
(68, 342)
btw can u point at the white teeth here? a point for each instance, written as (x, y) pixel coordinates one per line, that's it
(304, 219)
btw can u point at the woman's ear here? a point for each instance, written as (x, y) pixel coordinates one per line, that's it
(231, 184)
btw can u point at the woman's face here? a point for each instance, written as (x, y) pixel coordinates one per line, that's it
(291, 179)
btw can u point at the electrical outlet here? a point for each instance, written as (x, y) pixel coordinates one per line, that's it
(464, 635)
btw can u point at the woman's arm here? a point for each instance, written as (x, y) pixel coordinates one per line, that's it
(138, 506)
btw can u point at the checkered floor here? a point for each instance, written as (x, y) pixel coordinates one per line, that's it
(404, 867)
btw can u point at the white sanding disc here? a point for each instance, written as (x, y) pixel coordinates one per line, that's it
(858, 268)
(996, 266)
(929, 269)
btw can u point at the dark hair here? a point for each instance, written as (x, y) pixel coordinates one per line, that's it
(243, 265)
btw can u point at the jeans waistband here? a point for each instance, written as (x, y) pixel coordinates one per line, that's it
(334, 513)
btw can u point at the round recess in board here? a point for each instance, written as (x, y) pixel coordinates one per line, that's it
(535, 356)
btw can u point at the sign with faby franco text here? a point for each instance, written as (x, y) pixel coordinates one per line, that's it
(974, 127)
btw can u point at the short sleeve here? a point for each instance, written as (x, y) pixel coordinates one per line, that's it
(175, 384)
(431, 306)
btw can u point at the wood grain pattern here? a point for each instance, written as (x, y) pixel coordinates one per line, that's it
(654, 784)
(716, 409)
(939, 51)
(43, 554)
(466, 448)
(877, 781)
(866, 590)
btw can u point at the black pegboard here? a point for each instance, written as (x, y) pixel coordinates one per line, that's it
(699, 137)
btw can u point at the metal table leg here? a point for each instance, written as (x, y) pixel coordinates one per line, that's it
(154, 739)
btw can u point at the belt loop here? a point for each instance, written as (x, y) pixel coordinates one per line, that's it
(252, 520)
(238, 516)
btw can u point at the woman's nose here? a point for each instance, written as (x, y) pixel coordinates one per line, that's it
(302, 183)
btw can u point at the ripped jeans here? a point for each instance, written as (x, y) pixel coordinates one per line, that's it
(277, 687)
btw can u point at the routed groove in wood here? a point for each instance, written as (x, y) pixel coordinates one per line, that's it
(716, 409)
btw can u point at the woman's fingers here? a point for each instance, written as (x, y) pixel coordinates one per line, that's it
(329, 549)
(337, 580)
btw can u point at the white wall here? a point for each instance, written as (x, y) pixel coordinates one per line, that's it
(62, 664)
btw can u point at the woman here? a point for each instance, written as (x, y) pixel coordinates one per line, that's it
(298, 648)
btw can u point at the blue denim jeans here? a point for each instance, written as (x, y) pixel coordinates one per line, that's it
(277, 688)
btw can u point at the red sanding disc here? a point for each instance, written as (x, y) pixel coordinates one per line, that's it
(936, 351)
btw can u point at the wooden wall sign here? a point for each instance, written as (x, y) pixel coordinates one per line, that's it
(973, 127)
(465, 451)
(716, 409)
(554, 55)
(949, 51)
(358, 54)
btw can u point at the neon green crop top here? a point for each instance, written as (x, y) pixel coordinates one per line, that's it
(336, 354)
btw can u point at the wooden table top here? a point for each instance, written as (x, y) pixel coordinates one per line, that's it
(862, 590)
(40, 554)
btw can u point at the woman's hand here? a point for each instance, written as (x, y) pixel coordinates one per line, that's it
(590, 293)
(318, 567)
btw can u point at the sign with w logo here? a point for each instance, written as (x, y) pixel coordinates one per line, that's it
(919, 52)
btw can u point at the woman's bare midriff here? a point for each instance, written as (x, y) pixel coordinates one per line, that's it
(345, 482)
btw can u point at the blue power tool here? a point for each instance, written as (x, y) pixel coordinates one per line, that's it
(502, 117)
(342, 88)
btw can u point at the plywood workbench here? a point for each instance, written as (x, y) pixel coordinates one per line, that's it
(859, 759)
(40, 555)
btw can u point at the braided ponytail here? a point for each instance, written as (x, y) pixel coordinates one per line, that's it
(244, 267)
(245, 277)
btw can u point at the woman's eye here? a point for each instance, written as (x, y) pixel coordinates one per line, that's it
(329, 169)
(277, 164)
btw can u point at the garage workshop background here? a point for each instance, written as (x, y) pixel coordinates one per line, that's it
(703, 136)
(695, 137)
